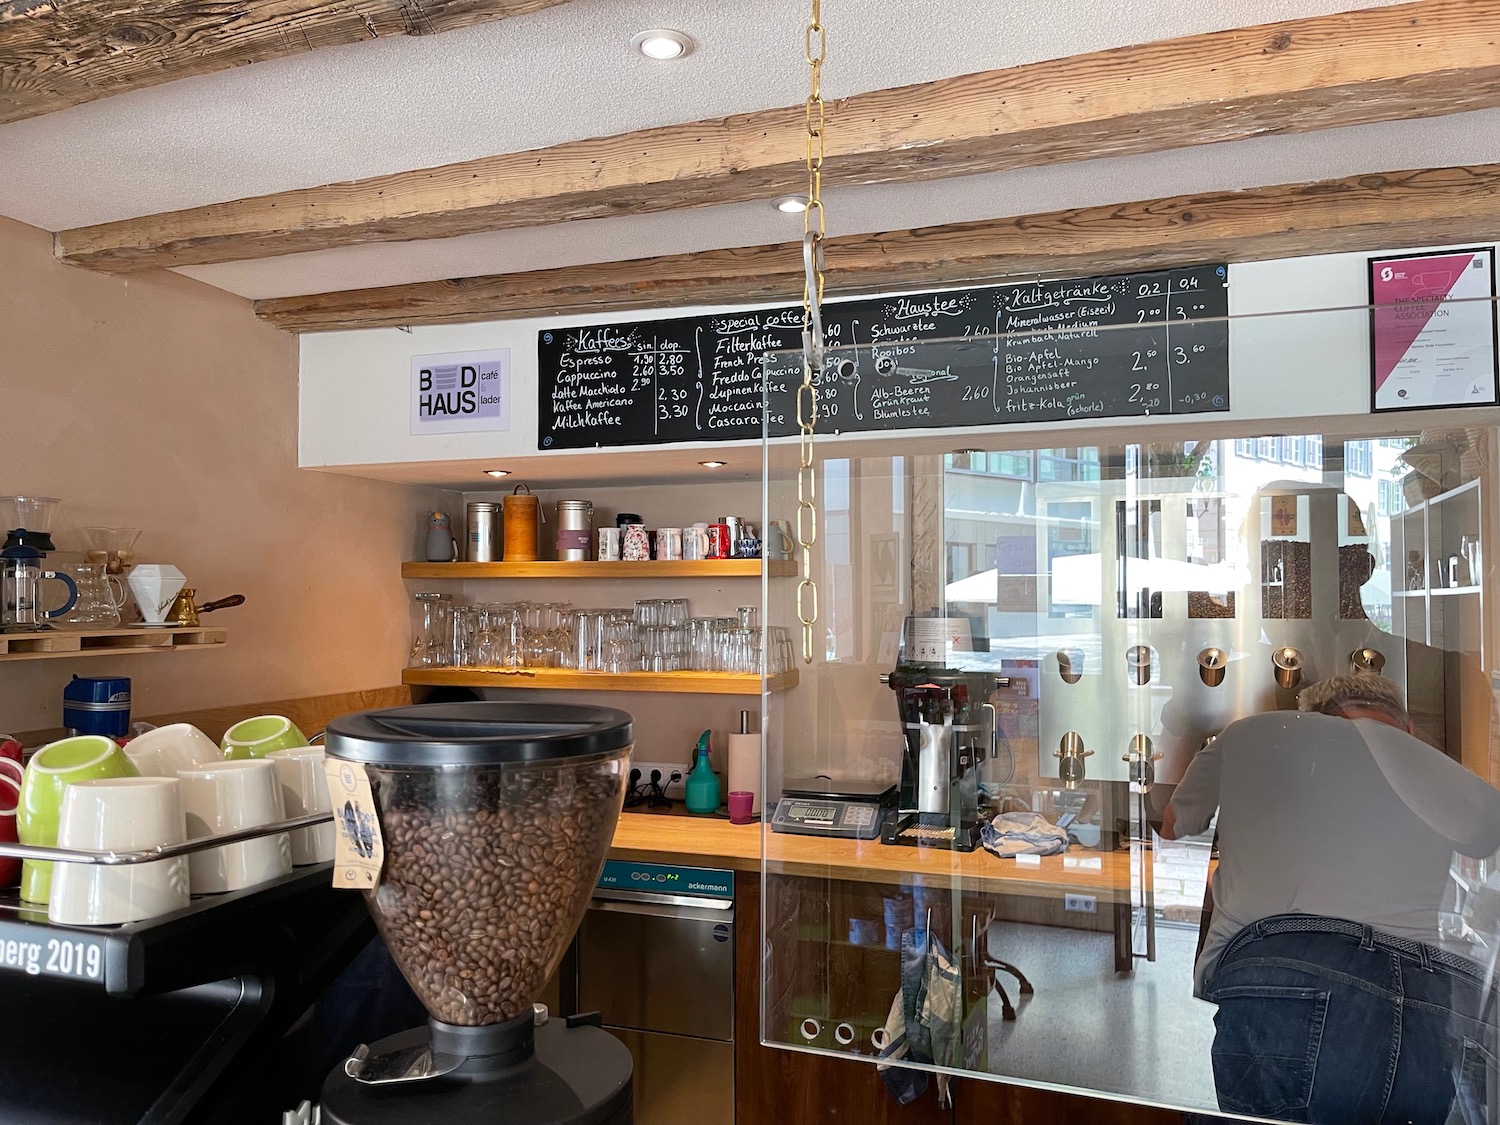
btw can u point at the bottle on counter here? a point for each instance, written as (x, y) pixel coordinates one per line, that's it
(702, 788)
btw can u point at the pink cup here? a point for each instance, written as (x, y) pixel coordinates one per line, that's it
(10, 748)
(741, 807)
(11, 769)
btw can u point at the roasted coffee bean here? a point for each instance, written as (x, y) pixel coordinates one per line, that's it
(487, 873)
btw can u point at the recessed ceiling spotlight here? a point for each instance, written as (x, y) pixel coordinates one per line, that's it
(712, 464)
(790, 204)
(662, 43)
(497, 473)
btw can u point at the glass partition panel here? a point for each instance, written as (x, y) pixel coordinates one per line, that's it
(1113, 731)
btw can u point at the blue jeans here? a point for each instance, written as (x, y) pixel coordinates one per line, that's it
(1327, 1021)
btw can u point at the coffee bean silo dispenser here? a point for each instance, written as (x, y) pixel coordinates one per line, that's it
(495, 819)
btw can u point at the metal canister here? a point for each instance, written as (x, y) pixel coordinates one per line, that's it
(481, 517)
(575, 529)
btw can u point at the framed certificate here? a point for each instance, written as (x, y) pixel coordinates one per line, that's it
(1433, 336)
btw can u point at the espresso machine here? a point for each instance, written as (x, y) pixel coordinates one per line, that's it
(489, 828)
(948, 727)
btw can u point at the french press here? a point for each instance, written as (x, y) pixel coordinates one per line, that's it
(27, 521)
(22, 572)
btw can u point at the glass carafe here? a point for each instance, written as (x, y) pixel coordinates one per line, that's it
(101, 596)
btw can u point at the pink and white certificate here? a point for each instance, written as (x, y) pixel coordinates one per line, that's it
(1432, 327)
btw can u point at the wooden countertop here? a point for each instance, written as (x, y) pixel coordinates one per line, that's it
(714, 842)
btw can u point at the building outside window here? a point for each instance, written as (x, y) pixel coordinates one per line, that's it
(1357, 459)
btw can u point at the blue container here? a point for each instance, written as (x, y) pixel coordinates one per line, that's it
(97, 705)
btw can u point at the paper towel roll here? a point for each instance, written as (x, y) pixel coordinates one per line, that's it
(744, 765)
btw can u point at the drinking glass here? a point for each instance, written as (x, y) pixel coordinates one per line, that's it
(588, 637)
(619, 651)
(433, 644)
(779, 657)
(701, 633)
(466, 636)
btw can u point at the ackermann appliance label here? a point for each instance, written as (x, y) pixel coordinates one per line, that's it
(460, 391)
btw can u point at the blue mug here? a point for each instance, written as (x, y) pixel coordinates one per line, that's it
(97, 705)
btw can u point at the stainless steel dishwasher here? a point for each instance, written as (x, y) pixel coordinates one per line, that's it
(656, 960)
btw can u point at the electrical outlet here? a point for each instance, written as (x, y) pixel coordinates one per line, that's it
(1081, 904)
(673, 789)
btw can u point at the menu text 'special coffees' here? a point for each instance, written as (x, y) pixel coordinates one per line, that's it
(487, 872)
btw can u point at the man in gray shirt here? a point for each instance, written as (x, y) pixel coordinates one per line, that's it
(1337, 829)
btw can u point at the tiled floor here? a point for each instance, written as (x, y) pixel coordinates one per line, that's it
(1139, 1034)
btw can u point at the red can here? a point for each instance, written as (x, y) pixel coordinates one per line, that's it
(719, 545)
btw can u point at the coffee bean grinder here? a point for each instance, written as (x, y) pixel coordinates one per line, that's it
(493, 820)
(948, 728)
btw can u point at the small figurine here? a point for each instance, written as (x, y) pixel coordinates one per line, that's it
(441, 546)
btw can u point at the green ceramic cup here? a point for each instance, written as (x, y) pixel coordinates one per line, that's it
(52, 769)
(257, 737)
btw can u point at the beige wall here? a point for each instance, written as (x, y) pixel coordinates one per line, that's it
(157, 402)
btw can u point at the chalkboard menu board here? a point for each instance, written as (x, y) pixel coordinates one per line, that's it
(1128, 345)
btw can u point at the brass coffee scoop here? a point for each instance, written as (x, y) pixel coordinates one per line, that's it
(185, 613)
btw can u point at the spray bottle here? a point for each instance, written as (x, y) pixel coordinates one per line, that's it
(702, 788)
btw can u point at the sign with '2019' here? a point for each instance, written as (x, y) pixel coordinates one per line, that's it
(460, 391)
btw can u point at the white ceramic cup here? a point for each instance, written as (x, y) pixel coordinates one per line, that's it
(224, 797)
(669, 543)
(609, 544)
(165, 750)
(695, 541)
(155, 586)
(119, 814)
(304, 791)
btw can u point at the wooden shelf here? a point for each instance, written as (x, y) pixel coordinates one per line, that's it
(566, 679)
(60, 644)
(682, 568)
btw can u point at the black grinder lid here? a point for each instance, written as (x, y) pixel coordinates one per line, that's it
(482, 733)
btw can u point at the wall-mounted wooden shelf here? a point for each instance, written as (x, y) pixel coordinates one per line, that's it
(681, 568)
(566, 679)
(60, 644)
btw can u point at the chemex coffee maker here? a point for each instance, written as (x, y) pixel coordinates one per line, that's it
(27, 524)
(948, 728)
(489, 829)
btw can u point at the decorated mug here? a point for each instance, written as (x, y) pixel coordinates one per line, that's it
(636, 546)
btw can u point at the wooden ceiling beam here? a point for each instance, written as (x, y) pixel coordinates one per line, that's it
(1379, 210)
(1422, 59)
(65, 52)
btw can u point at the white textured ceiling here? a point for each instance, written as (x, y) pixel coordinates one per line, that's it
(567, 73)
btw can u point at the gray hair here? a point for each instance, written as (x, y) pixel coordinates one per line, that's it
(1361, 689)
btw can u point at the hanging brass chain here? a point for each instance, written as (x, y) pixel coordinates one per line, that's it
(815, 47)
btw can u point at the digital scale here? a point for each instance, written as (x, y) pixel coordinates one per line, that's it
(817, 806)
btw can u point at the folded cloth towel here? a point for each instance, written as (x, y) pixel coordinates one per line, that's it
(1022, 833)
